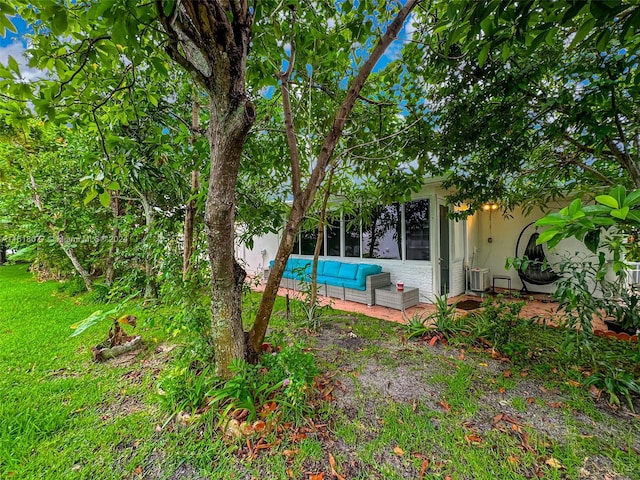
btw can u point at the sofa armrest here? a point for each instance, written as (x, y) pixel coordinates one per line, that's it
(378, 280)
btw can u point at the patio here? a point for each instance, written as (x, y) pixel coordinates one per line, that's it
(537, 305)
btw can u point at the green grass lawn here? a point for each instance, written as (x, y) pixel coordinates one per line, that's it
(59, 412)
(400, 409)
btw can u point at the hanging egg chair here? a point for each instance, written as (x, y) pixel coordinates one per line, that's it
(537, 271)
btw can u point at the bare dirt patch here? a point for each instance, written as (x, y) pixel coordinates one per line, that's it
(398, 373)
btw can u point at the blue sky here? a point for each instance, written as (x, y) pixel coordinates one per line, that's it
(21, 26)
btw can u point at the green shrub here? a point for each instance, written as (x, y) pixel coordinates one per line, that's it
(500, 324)
(285, 377)
(616, 382)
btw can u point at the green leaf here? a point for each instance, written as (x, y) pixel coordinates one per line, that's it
(546, 236)
(596, 209)
(91, 320)
(59, 22)
(634, 215)
(574, 207)
(105, 199)
(113, 186)
(592, 240)
(619, 193)
(620, 213)
(607, 200)
(632, 199)
(13, 65)
(484, 53)
(551, 219)
(585, 28)
(90, 196)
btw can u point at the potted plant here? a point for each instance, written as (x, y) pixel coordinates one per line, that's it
(624, 311)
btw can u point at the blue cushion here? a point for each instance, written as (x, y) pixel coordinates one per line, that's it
(320, 267)
(331, 268)
(354, 284)
(364, 270)
(271, 263)
(348, 271)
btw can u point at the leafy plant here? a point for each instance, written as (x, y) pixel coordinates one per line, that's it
(284, 377)
(185, 387)
(500, 323)
(616, 382)
(417, 325)
(615, 212)
(445, 319)
(623, 304)
(308, 304)
(100, 316)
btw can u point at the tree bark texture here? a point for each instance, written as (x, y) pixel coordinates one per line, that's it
(227, 276)
(210, 39)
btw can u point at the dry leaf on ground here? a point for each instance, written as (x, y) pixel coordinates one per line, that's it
(332, 464)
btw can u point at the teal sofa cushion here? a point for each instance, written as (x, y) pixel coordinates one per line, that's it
(348, 271)
(365, 270)
(331, 268)
(354, 284)
(320, 267)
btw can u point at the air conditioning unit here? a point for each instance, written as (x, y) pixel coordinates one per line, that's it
(479, 279)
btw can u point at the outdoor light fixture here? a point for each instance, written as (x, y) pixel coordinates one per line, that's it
(490, 206)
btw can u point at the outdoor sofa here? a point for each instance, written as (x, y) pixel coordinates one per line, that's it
(356, 282)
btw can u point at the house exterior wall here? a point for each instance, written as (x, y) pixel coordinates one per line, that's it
(469, 247)
(423, 274)
(504, 234)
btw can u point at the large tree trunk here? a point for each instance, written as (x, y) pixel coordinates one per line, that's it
(226, 140)
(211, 40)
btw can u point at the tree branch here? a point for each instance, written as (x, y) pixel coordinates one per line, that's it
(329, 144)
(288, 114)
(85, 60)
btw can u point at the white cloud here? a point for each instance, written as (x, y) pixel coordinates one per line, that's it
(17, 51)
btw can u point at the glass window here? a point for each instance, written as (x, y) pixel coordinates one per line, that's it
(333, 238)
(381, 234)
(416, 221)
(351, 237)
(308, 239)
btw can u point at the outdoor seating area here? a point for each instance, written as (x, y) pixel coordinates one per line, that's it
(355, 282)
